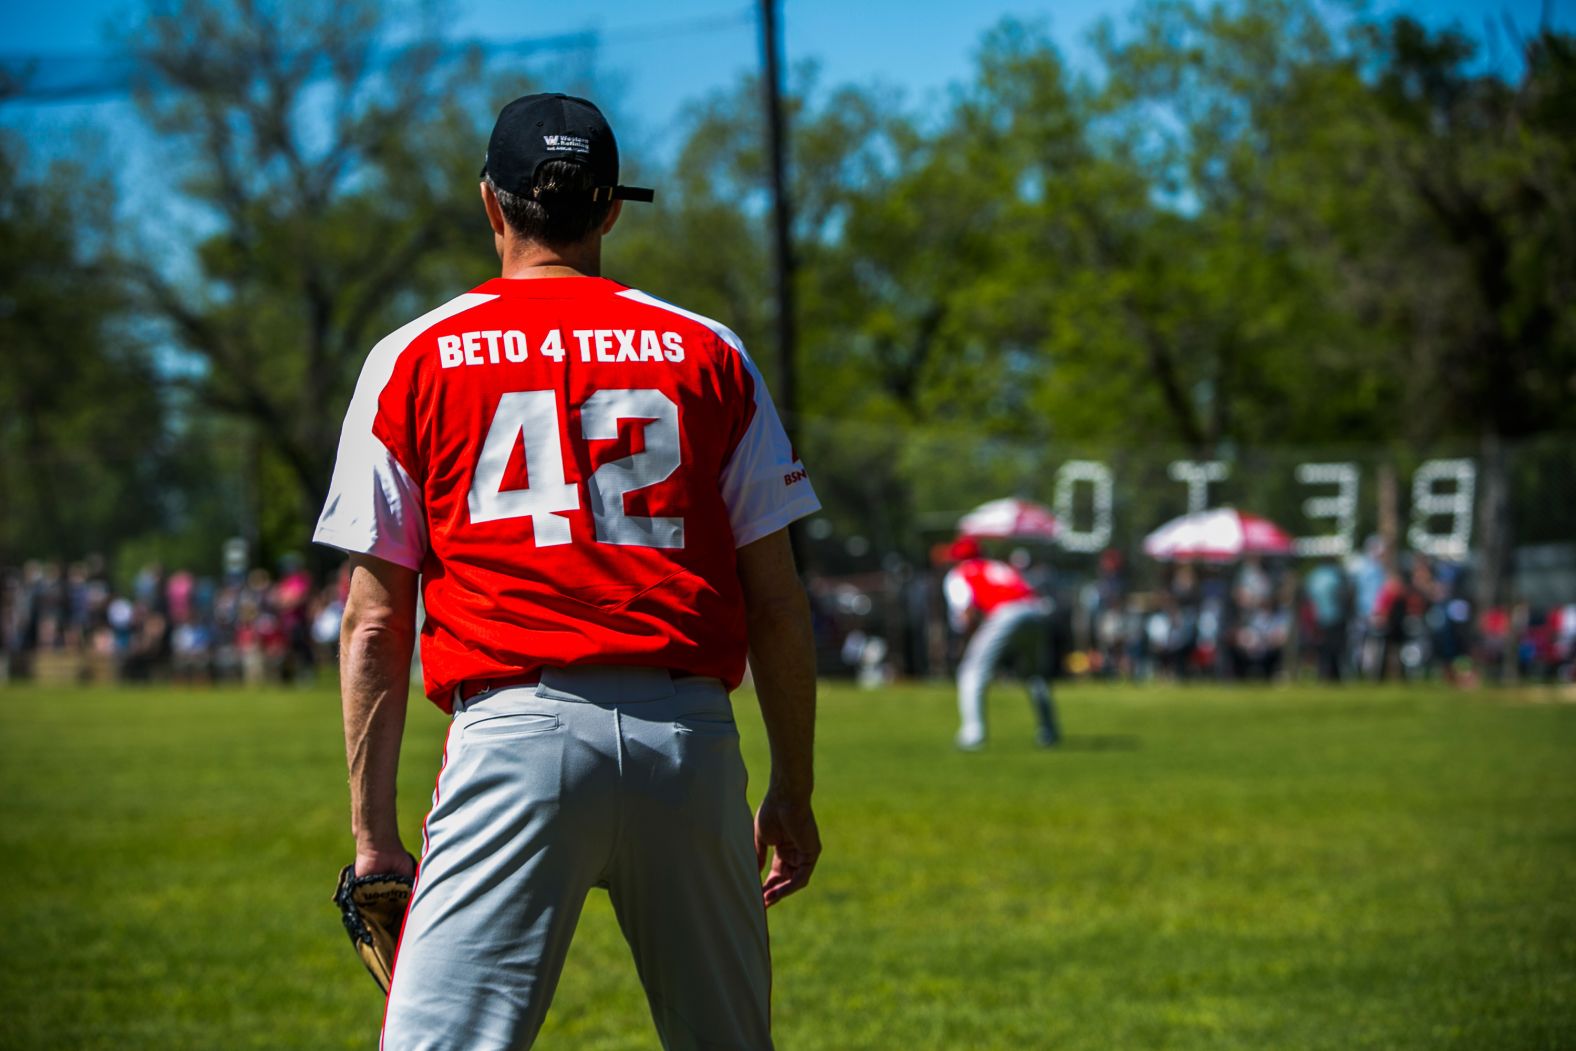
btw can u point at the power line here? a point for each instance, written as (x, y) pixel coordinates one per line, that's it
(43, 77)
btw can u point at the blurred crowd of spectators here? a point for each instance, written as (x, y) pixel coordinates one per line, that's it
(1373, 617)
(68, 622)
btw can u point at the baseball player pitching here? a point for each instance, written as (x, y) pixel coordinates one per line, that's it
(1009, 621)
(590, 487)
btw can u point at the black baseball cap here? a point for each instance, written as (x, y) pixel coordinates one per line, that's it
(535, 129)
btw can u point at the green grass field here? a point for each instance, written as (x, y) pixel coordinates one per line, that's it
(1198, 868)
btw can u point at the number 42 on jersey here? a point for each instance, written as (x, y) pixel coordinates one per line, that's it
(531, 418)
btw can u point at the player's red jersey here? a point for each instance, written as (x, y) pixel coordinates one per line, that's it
(984, 584)
(571, 465)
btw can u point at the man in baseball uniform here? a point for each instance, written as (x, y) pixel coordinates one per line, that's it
(1010, 622)
(590, 487)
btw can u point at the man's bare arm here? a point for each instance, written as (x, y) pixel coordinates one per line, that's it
(782, 656)
(375, 644)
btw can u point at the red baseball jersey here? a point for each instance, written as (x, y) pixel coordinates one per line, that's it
(984, 584)
(570, 464)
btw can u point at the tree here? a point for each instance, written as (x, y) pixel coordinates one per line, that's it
(335, 179)
(1244, 122)
(83, 438)
(1487, 167)
(1398, 221)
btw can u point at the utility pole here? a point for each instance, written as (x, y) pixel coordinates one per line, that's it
(782, 216)
(787, 388)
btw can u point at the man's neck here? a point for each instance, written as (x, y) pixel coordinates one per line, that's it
(531, 260)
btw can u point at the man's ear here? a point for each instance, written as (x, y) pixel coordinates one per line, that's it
(612, 217)
(493, 208)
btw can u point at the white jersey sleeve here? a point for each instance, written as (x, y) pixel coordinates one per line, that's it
(374, 506)
(764, 484)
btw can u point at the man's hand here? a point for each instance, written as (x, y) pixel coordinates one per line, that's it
(392, 861)
(788, 828)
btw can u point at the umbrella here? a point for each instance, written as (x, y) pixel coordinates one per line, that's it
(1010, 520)
(1220, 535)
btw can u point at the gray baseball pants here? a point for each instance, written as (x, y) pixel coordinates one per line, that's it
(624, 778)
(1015, 630)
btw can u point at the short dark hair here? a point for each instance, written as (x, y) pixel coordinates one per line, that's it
(558, 210)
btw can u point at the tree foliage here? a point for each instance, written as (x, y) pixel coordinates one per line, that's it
(1485, 190)
(335, 177)
(82, 438)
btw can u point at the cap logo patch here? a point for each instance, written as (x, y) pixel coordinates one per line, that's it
(567, 143)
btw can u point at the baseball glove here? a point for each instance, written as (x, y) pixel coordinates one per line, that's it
(373, 908)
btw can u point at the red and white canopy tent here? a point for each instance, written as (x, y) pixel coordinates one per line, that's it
(1010, 519)
(1222, 534)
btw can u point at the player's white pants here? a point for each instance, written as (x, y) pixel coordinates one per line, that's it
(621, 778)
(1007, 626)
